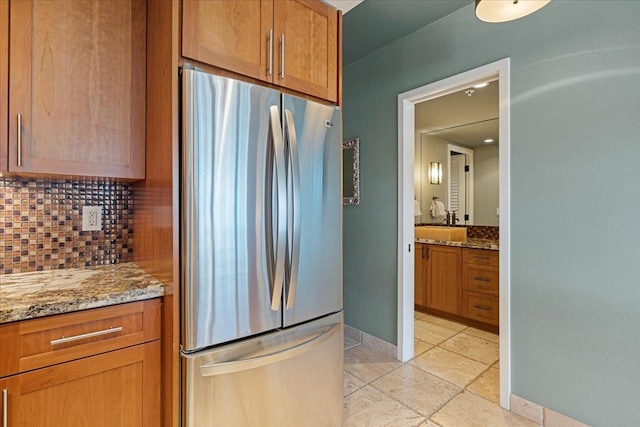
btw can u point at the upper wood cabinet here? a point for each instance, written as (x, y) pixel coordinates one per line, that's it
(77, 88)
(4, 81)
(291, 43)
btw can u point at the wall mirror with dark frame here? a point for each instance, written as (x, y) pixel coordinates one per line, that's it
(351, 172)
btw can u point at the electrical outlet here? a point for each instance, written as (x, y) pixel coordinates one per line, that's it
(91, 218)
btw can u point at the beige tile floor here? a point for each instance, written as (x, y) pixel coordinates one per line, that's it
(453, 381)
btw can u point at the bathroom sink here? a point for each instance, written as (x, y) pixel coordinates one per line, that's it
(434, 232)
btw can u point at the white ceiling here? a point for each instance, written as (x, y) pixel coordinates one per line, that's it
(343, 5)
(459, 118)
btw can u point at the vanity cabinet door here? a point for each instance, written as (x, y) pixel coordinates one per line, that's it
(444, 281)
(77, 88)
(120, 388)
(420, 274)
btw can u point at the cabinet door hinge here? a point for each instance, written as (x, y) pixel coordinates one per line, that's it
(409, 247)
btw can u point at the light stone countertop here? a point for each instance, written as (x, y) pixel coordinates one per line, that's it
(491, 245)
(44, 293)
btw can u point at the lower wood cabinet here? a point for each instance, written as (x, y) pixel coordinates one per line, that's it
(119, 388)
(98, 367)
(459, 283)
(420, 274)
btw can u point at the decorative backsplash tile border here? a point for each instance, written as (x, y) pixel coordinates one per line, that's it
(41, 223)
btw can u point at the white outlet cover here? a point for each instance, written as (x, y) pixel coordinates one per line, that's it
(91, 218)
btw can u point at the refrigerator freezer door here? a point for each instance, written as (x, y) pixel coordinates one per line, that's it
(287, 378)
(313, 135)
(230, 220)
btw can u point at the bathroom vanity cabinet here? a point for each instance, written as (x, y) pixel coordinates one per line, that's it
(420, 274)
(461, 284)
(480, 283)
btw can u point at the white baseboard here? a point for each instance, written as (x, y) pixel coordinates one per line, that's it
(541, 415)
(374, 342)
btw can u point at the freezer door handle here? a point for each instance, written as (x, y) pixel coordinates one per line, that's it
(281, 207)
(314, 341)
(294, 218)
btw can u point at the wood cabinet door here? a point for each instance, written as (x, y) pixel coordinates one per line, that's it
(444, 282)
(4, 81)
(120, 388)
(306, 49)
(77, 87)
(230, 34)
(420, 274)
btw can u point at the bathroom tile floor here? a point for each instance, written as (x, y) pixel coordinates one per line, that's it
(453, 381)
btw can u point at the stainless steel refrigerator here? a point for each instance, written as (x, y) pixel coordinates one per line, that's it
(261, 242)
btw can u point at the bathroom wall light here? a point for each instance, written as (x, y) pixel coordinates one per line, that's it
(435, 173)
(506, 10)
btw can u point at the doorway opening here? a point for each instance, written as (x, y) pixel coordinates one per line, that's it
(407, 101)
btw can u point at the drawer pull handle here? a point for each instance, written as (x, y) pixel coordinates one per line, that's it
(482, 279)
(482, 307)
(5, 408)
(88, 335)
(481, 257)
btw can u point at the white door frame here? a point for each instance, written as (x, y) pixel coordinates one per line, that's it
(406, 133)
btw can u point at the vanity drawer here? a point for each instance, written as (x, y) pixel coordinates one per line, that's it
(480, 257)
(481, 307)
(481, 278)
(36, 343)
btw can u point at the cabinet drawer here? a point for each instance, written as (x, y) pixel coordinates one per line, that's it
(481, 278)
(484, 308)
(32, 344)
(119, 388)
(480, 257)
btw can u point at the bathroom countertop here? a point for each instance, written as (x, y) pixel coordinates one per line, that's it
(470, 243)
(44, 293)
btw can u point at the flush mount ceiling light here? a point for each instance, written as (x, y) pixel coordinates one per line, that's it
(506, 10)
(481, 85)
(488, 140)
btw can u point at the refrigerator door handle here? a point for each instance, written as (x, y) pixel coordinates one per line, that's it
(223, 368)
(294, 228)
(281, 208)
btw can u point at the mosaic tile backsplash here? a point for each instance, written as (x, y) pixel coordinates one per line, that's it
(41, 223)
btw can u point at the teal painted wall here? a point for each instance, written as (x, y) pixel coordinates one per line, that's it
(575, 198)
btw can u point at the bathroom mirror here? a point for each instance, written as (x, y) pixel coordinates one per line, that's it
(351, 172)
(460, 131)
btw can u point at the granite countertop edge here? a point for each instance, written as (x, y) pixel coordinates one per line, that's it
(491, 245)
(26, 296)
